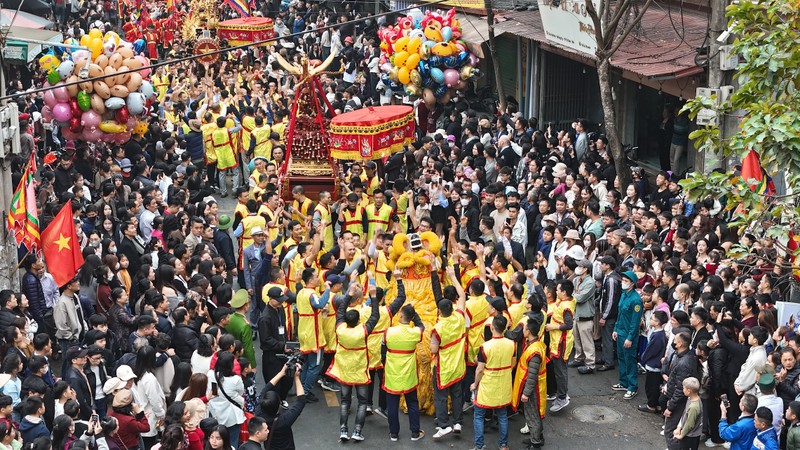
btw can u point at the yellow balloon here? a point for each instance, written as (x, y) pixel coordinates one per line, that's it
(400, 59)
(85, 39)
(110, 126)
(412, 61)
(96, 46)
(95, 34)
(403, 75)
(413, 45)
(401, 44)
(110, 35)
(48, 62)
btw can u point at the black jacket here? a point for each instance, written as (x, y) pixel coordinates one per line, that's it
(6, 317)
(129, 249)
(32, 287)
(272, 341)
(92, 377)
(717, 371)
(83, 392)
(683, 366)
(185, 338)
(788, 389)
(224, 244)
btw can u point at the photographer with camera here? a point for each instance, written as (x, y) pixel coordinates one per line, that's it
(280, 423)
(272, 333)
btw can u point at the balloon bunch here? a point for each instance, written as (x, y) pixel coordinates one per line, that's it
(108, 109)
(423, 55)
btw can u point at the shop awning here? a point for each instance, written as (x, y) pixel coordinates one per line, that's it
(654, 50)
(26, 20)
(474, 31)
(32, 33)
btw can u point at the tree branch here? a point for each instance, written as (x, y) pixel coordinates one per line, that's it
(629, 28)
(598, 27)
(619, 13)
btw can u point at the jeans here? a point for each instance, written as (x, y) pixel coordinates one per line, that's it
(608, 342)
(233, 432)
(502, 422)
(561, 376)
(344, 408)
(310, 370)
(223, 183)
(534, 420)
(392, 409)
(440, 397)
(628, 371)
(100, 406)
(375, 381)
(469, 378)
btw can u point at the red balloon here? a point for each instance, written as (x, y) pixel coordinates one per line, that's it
(75, 125)
(122, 115)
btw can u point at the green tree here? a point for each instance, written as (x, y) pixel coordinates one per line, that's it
(768, 102)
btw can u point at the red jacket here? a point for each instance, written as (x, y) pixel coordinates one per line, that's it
(196, 439)
(129, 428)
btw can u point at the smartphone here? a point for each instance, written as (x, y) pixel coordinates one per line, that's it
(214, 388)
(95, 418)
(724, 399)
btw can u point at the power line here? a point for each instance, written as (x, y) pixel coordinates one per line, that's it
(215, 52)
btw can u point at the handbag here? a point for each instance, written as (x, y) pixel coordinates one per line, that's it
(244, 435)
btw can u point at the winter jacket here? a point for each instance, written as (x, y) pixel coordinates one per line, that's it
(788, 389)
(717, 371)
(656, 345)
(746, 381)
(33, 427)
(129, 428)
(32, 287)
(739, 434)
(195, 145)
(185, 338)
(120, 322)
(7, 316)
(766, 440)
(682, 366)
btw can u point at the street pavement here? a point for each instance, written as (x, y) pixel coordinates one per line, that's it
(596, 418)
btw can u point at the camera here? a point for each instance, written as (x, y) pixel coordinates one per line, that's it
(293, 358)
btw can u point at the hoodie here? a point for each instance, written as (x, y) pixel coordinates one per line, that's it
(32, 427)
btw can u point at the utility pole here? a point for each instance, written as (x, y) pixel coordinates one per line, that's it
(9, 270)
(501, 91)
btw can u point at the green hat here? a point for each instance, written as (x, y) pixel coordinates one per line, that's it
(240, 298)
(766, 381)
(225, 222)
(630, 275)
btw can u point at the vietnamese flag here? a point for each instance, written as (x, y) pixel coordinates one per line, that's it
(62, 251)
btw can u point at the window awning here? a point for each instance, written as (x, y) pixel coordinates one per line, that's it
(32, 33)
(654, 51)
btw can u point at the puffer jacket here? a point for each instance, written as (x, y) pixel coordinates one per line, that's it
(32, 287)
(185, 338)
(683, 366)
(788, 389)
(195, 145)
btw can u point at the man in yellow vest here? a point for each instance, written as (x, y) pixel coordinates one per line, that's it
(560, 329)
(373, 180)
(161, 83)
(322, 216)
(309, 329)
(378, 214)
(477, 311)
(302, 205)
(352, 217)
(260, 142)
(448, 348)
(227, 160)
(400, 203)
(400, 372)
(248, 125)
(530, 383)
(493, 382)
(350, 366)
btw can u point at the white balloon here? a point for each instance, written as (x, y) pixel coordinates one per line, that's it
(135, 103)
(65, 69)
(115, 103)
(147, 90)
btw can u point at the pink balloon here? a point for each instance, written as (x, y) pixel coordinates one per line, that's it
(91, 119)
(473, 60)
(62, 112)
(121, 138)
(132, 122)
(50, 99)
(145, 66)
(92, 134)
(47, 113)
(69, 135)
(451, 77)
(60, 92)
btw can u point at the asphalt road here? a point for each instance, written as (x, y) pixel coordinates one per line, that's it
(596, 418)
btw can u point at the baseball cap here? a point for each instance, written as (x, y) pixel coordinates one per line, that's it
(609, 260)
(113, 384)
(277, 294)
(125, 373)
(335, 279)
(76, 352)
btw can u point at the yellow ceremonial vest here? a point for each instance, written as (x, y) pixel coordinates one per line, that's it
(450, 365)
(350, 366)
(561, 340)
(352, 221)
(381, 270)
(263, 144)
(477, 313)
(248, 125)
(309, 324)
(264, 210)
(302, 207)
(327, 233)
(494, 390)
(211, 154)
(467, 276)
(241, 211)
(373, 184)
(295, 273)
(375, 338)
(223, 146)
(161, 84)
(400, 373)
(521, 376)
(516, 311)
(377, 219)
(248, 223)
(402, 209)
(279, 128)
(505, 276)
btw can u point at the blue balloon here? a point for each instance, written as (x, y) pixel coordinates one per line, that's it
(440, 91)
(138, 46)
(451, 62)
(429, 83)
(437, 75)
(424, 68)
(462, 57)
(447, 34)
(435, 61)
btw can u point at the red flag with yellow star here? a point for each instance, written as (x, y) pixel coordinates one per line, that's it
(62, 251)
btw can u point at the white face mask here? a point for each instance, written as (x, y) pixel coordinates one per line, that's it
(112, 250)
(580, 270)
(464, 202)
(587, 243)
(626, 285)
(676, 296)
(110, 276)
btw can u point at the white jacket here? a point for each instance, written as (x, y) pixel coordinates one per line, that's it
(220, 407)
(153, 402)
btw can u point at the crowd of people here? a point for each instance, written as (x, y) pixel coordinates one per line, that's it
(550, 271)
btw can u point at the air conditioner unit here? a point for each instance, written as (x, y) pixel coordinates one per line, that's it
(9, 130)
(707, 116)
(728, 59)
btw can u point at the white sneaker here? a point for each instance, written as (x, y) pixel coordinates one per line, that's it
(457, 428)
(525, 429)
(284, 404)
(727, 445)
(357, 436)
(559, 404)
(343, 437)
(709, 443)
(442, 432)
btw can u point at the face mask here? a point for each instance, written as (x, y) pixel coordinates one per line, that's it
(94, 243)
(464, 202)
(112, 250)
(580, 270)
(587, 243)
(626, 285)
(676, 296)
(110, 276)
